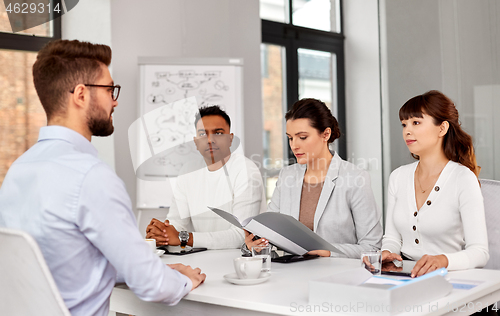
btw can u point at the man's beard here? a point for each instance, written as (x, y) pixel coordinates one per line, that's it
(98, 122)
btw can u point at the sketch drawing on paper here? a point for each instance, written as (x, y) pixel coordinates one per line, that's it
(170, 98)
(161, 139)
(166, 141)
(208, 86)
(169, 133)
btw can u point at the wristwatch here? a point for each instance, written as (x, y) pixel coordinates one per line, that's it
(244, 251)
(184, 238)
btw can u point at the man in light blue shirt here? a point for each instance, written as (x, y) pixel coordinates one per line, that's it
(66, 198)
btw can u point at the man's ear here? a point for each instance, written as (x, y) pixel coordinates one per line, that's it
(80, 96)
(231, 136)
(443, 128)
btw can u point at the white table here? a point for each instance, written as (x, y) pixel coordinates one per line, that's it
(287, 290)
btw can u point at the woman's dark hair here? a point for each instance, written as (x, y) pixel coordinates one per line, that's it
(319, 115)
(457, 144)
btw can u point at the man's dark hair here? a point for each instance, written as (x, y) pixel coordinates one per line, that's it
(61, 65)
(212, 110)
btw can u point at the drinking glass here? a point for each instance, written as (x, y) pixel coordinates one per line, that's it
(372, 261)
(263, 252)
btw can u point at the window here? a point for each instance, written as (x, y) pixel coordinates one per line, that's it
(302, 56)
(21, 114)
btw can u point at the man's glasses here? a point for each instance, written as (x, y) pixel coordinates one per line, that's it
(114, 94)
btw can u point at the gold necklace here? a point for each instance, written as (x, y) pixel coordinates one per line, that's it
(418, 181)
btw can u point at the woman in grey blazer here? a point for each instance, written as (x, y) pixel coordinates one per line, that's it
(329, 195)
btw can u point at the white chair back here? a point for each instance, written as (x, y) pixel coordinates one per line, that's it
(491, 196)
(26, 284)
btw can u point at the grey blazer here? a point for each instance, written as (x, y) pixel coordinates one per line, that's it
(346, 215)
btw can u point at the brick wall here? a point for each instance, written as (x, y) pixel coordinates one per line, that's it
(21, 114)
(272, 91)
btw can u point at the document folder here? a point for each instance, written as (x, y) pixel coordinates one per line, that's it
(281, 230)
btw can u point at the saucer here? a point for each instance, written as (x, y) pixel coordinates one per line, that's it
(159, 252)
(233, 278)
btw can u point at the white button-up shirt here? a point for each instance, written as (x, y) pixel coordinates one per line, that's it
(79, 212)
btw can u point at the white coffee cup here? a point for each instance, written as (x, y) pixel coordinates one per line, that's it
(151, 243)
(248, 267)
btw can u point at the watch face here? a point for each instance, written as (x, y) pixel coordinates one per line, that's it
(184, 235)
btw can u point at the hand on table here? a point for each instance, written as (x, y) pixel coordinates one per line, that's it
(194, 275)
(158, 230)
(321, 253)
(388, 256)
(163, 232)
(252, 243)
(428, 264)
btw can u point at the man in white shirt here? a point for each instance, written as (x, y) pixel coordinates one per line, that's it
(221, 179)
(65, 197)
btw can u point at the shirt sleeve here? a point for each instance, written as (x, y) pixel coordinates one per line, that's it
(179, 202)
(392, 240)
(105, 217)
(366, 217)
(248, 201)
(471, 208)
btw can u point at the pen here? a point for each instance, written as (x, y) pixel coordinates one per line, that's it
(442, 272)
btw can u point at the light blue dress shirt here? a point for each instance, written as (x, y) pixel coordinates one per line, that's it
(79, 212)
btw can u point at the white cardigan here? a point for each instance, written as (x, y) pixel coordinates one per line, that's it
(450, 222)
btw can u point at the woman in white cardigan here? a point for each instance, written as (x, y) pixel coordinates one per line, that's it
(435, 212)
(331, 196)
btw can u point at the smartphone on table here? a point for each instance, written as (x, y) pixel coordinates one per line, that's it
(399, 268)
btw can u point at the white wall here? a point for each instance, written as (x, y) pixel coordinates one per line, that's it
(413, 62)
(176, 28)
(362, 75)
(470, 58)
(91, 21)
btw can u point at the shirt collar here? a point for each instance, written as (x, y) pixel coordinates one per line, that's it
(67, 135)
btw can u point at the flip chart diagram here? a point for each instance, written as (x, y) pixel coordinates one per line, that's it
(171, 91)
(208, 85)
(211, 81)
